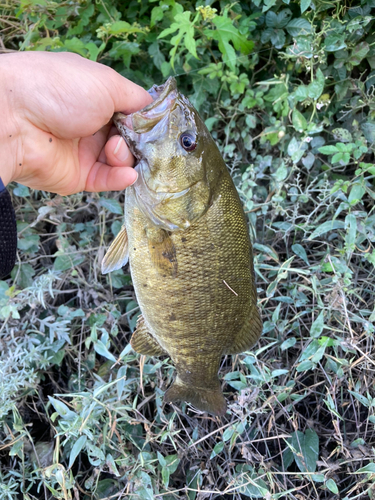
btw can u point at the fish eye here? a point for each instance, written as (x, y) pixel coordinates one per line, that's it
(187, 140)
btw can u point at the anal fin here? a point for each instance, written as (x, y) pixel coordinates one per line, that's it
(248, 335)
(117, 255)
(143, 342)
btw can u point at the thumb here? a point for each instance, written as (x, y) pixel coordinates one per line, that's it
(127, 96)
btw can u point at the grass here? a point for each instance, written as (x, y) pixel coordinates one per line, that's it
(303, 396)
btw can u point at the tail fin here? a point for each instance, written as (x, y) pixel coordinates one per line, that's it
(205, 399)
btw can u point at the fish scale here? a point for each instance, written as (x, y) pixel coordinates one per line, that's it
(189, 251)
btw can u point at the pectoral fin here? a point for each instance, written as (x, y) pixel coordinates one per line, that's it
(162, 251)
(248, 335)
(117, 255)
(143, 342)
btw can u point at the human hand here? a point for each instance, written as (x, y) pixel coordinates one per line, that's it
(55, 129)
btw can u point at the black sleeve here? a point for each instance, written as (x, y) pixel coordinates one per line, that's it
(8, 233)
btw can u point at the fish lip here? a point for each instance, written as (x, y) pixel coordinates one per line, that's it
(160, 92)
(163, 100)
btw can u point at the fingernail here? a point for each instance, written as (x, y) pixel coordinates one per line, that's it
(135, 180)
(121, 150)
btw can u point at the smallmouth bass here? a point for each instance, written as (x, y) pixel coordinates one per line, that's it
(186, 238)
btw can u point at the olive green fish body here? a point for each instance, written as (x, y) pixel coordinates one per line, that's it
(191, 264)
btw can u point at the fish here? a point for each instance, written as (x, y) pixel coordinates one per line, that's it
(187, 242)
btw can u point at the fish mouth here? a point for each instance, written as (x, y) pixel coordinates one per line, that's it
(144, 121)
(146, 125)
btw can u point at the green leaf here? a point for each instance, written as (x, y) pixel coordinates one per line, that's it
(334, 42)
(296, 149)
(299, 121)
(362, 399)
(29, 242)
(248, 483)
(21, 190)
(325, 227)
(161, 459)
(125, 50)
(283, 18)
(271, 19)
(111, 464)
(358, 53)
(332, 486)
(228, 433)
(306, 446)
(301, 252)
(157, 14)
(119, 27)
(278, 38)
(65, 261)
(24, 273)
(156, 54)
(76, 450)
(318, 478)
(143, 487)
(281, 173)
(369, 468)
(368, 130)
(101, 349)
(62, 409)
(278, 373)
(218, 448)
(342, 158)
(301, 48)
(165, 476)
(318, 325)
(111, 205)
(120, 385)
(328, 150)
(309, 351)
(288, 343)
(280, 20)
(356, 194)
(305, 365)
(351, 232)
(185, 29)
(298, 27)
(344, 148)
(172, 462)
(342, 135)
(315, 89)
(226, 34)
(76, 45)
(305, 4)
